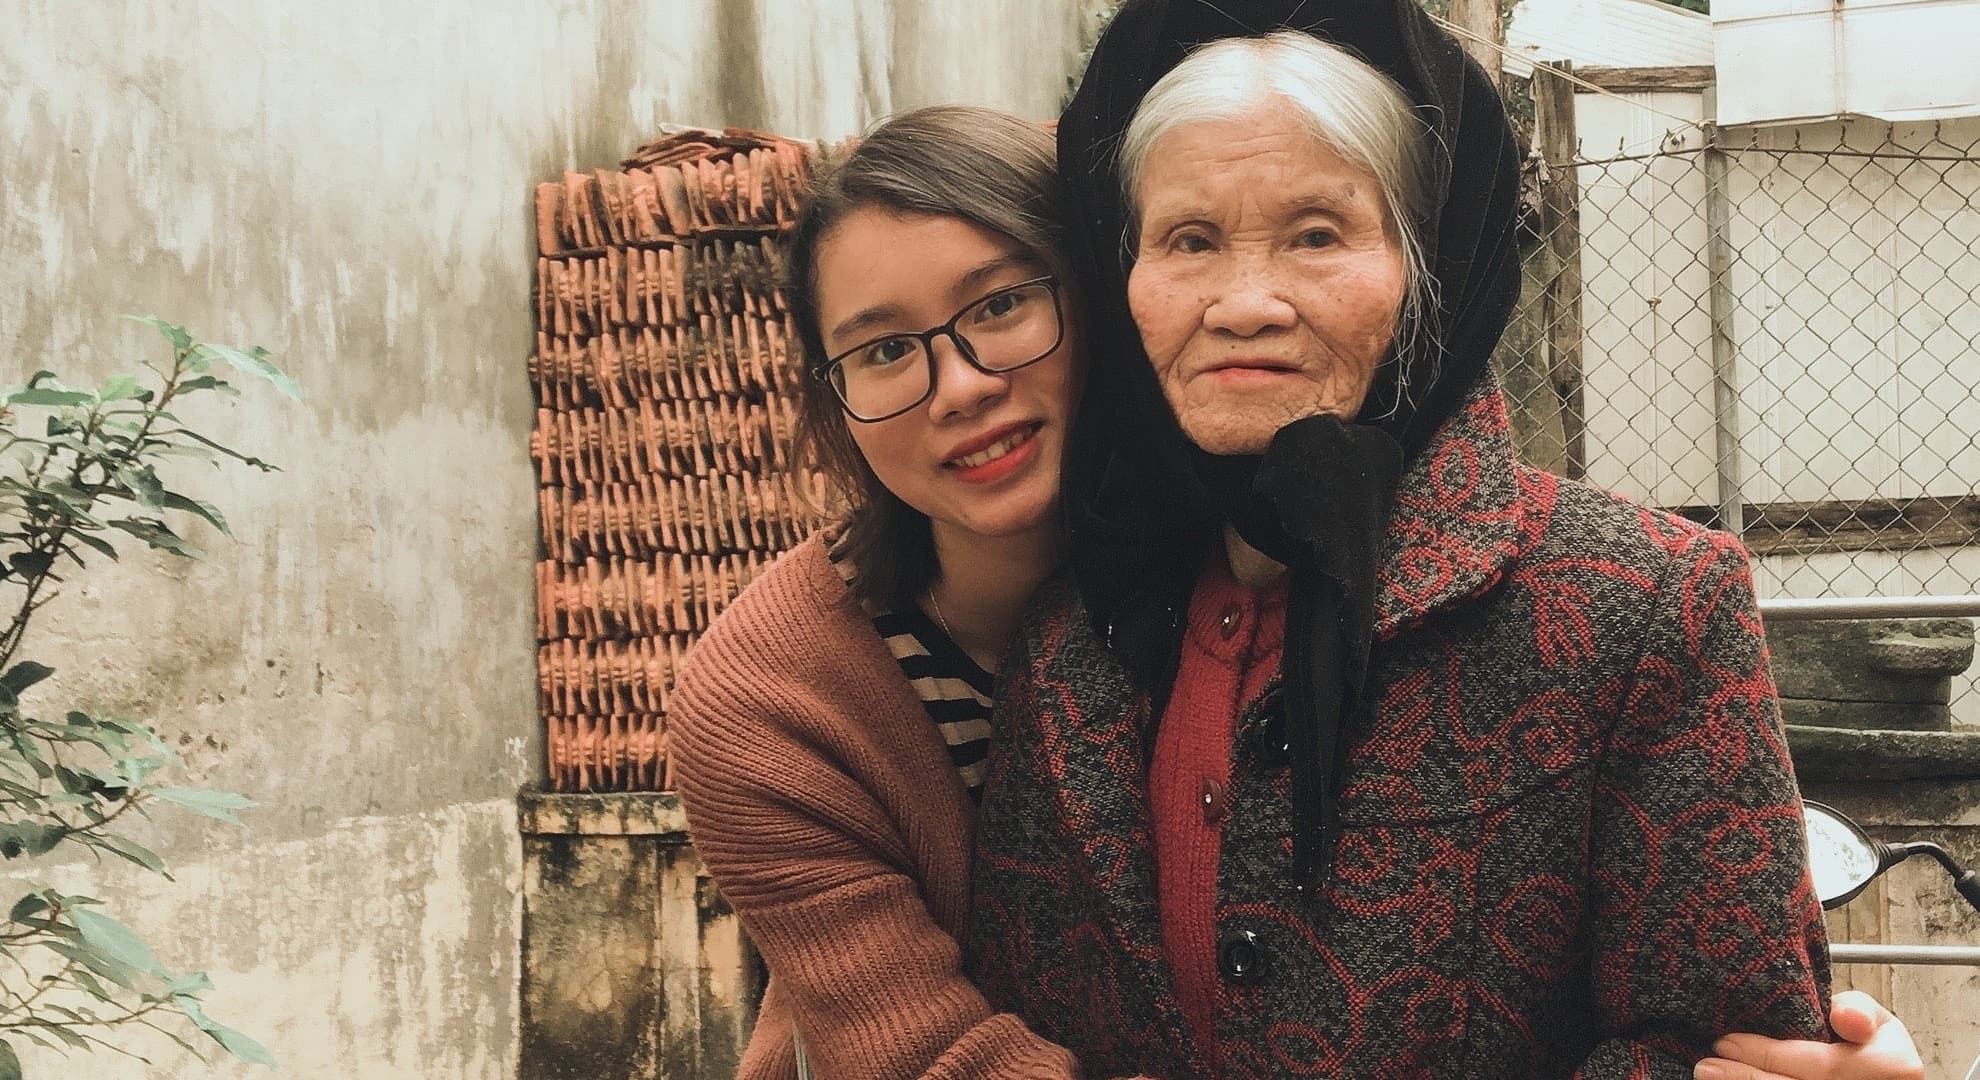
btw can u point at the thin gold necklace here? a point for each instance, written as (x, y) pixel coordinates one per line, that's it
(936, 606)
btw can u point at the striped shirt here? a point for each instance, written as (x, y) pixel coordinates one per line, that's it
(952, 686)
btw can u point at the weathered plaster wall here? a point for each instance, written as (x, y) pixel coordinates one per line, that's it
(349, 185)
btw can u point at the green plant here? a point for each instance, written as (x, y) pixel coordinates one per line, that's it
(71, 975)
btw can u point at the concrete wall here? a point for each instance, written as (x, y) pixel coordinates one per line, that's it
(349, 185)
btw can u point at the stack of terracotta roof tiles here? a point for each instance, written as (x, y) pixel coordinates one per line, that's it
(665, 385)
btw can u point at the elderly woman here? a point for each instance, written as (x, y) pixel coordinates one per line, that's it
(1361, 749)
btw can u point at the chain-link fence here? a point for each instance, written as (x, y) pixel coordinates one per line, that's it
(1771, 330)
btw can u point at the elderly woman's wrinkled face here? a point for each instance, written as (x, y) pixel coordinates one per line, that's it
(1267, 277)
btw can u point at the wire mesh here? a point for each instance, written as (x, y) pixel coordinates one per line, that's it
(1776, 331)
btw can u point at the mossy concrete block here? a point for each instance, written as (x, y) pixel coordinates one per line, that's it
(1865, 756)
(1866, 715)
(1870, 673)
(634, 967)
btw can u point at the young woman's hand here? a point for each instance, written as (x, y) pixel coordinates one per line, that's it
(1871, 1044)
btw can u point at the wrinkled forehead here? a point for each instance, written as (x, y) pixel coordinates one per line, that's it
(1251, 172)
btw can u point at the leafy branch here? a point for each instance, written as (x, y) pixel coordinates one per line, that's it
(72, 489)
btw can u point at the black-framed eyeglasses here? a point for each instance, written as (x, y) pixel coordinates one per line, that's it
(1014, 327)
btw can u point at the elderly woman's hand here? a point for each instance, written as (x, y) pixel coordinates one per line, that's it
(1872, 1045)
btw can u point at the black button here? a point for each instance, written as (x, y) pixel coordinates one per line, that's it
(1241, 957)
(1274, 752)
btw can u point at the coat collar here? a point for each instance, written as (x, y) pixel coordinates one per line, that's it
(1461, 515)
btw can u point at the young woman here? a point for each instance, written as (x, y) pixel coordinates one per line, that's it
(832, 728)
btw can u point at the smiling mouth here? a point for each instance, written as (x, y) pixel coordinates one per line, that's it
(1267, 367)
(995, 450)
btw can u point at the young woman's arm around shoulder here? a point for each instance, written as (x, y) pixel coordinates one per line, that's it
(796, 765)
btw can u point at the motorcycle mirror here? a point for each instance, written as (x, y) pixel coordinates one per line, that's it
(1842, 857)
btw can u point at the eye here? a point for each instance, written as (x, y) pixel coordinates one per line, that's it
(886, 352)
(1190, 243)
(1000, 306)
(1316, 238)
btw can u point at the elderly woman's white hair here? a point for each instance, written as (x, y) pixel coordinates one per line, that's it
(1347, 104)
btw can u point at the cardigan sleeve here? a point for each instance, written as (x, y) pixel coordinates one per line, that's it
(823, 884)
(1705, 918)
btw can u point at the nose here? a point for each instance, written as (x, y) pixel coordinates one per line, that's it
(1248, 301)
(961, 388)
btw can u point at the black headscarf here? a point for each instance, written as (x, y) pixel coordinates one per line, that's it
(1143, 505)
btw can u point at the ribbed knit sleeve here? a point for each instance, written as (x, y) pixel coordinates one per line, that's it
(823, 803)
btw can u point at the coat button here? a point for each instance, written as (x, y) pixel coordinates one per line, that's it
(1241, 957)
(1216, 800)
(1273, 749)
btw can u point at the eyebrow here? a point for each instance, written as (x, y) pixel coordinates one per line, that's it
(965, 287)
(1325, 202)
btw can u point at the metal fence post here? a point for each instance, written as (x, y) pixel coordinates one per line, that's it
(1725, 349)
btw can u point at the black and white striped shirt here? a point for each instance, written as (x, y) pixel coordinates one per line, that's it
(952, 686)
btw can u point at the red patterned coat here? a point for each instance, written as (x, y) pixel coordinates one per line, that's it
(1571, 840)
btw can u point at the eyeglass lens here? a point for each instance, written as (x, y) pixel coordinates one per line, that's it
(1003, 331)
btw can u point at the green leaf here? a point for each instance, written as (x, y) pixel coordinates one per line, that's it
(254, 362)
(31, 753)
(219, 805)
(124, 388)
(69, 1038)
(74, 782)
(31, 800)
(27, 907)
(217, 447)
(173, 332)
(209, 382)
(157, 535)
(31, 838)
(25, 674)
(115, 941)
(10, 1064)
(242, 1047)
(195, 983)
(49, 397)
(81, 977)
(176, 501)
(94, 543)
(232, 1041)
(144, 484)
(134, 852)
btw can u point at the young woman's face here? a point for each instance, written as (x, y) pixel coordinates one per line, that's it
(981, 453)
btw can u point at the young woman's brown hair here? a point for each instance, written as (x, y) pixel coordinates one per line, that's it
(960, 161)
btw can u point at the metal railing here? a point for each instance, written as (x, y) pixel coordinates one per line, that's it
(1819, 608)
